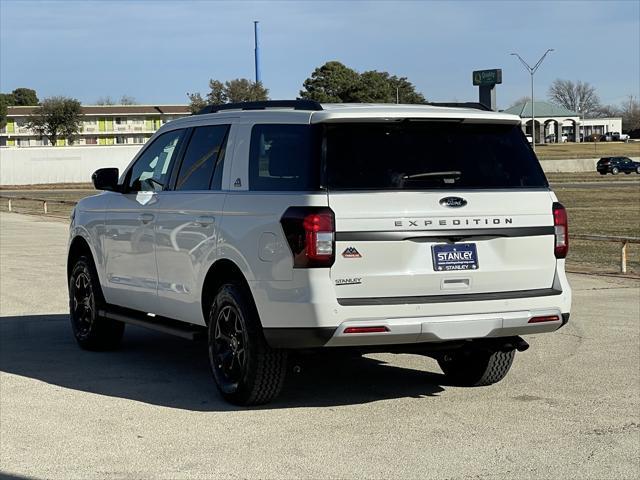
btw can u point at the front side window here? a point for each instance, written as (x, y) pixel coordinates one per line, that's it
(284, 157)
(203, 157)
(150, 173)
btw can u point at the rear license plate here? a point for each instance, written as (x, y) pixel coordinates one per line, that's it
(457, 256)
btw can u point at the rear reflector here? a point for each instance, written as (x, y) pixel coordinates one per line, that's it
(545, 318)
(366, 329)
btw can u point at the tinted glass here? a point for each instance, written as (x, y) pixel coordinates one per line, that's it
(203, 156)
(412, 155)
(284, 157)
(151, 170)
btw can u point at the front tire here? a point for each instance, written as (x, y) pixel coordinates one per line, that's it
(638, 170)
(91, 331)
(476, 368)
(615, 170)
(246, 369)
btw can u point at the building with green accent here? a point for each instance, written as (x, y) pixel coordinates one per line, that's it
(101, 125)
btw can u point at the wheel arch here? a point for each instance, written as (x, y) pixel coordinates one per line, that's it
(79, 246)
(221, 272)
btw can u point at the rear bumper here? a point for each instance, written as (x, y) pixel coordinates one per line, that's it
(302, 317)
(416, 330)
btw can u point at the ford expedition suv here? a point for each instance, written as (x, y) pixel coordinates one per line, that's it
(271, 227)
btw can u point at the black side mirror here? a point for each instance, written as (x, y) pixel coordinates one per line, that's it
(106, 179)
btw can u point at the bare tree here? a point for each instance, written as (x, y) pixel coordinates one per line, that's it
(579, 96)
(105, 101)
(630, 113)
(128, 100)
(520, 101)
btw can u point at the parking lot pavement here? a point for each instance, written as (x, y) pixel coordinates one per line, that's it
(570, 407)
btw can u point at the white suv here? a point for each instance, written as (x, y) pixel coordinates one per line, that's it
(275, 226)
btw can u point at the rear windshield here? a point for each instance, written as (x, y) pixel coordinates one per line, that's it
(415, 155)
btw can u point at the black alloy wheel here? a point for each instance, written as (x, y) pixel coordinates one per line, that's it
(91, 330)
(228, 354)
(83, 304)
(245, 368)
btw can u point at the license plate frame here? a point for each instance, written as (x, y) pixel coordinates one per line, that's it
(455, 257)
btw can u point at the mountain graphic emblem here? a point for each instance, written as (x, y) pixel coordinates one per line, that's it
(351, 252)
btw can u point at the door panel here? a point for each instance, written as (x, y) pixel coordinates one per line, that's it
(186, 237)
(131, 274)
(187, 225)
(131, 270)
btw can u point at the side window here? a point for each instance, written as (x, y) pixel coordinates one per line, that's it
(284, 157)
(150, 173)
(203, 157)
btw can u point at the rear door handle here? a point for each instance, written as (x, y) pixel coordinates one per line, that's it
(145, 217)
(205, 220)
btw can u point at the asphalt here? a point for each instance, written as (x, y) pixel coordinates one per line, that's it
(570, 407)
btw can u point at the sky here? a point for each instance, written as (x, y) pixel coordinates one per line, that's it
(157, 51)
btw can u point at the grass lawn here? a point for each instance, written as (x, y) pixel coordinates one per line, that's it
(591, 177)
(592, 209)
(602, 211)
(559, 151)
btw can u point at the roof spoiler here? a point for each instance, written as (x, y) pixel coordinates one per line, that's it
(473, 105)
(295, 104)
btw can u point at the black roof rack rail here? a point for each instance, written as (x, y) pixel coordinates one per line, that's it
(474, 105)
(295, 104)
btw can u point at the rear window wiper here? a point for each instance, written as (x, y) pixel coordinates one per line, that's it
(449, 174)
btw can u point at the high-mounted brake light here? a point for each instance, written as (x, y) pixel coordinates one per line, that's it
(561, 230)
(310, 235)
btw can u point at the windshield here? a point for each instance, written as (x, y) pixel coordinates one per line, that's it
(416, 155)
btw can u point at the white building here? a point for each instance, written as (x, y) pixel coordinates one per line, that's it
(549, 118)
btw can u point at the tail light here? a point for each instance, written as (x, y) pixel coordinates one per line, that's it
(561, 230)
(310, 234)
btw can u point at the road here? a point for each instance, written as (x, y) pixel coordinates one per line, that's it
(568, 409)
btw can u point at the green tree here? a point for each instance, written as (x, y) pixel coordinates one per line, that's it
(196, 102)
(332, 82)
(217, 93)
(231, 91)
(23, 97)
(337, 83)
(243, 90)
(6, 100)
(57, 117)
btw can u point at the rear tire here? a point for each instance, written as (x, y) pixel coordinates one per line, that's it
(476, 368)
(603, 173)
(91, 331)
(247, 371)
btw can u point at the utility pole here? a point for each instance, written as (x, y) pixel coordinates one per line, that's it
(256, 50)
(532, 71)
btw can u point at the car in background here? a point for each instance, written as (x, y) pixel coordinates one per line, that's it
(619, 137)
(551, 138)
(615, 165)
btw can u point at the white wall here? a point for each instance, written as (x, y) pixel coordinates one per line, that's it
(32, 165)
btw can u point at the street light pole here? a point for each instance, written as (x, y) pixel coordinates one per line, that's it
(532, 71)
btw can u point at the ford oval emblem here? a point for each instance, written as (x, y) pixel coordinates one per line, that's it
(453, 202)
